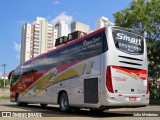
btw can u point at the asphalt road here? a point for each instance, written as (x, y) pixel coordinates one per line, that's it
(53, 112)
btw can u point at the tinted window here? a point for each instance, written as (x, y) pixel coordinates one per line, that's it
(93, 45)
(16, 75)
(45, 62)
(27, 68)
(128, 42)
(83, 49)
(104, 45)
(71, 53)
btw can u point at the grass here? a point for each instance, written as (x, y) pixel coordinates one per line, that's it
(4, 97)
(154, 102)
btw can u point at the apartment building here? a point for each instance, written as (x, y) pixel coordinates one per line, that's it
(102, 22)
(62, 28)
(78, 26)
(37, 38)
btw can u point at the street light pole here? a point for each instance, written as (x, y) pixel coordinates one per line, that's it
(4, 65)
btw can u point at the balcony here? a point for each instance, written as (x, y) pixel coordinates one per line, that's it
(36, 29)
(36, 46)
(36, 37)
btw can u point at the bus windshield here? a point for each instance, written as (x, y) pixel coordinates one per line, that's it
(128, 42)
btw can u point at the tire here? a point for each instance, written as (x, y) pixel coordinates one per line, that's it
(64, 103)
(76, 109)
(18, 103)
(96, 110)
(24, 104)
(43, 105)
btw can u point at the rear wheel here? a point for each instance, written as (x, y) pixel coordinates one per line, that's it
(24, 104)
(64, 103)
(97, 110)
(43, 105)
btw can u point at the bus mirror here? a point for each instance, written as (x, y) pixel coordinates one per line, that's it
(10, 75)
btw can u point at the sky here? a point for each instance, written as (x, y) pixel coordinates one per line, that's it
(14, 14)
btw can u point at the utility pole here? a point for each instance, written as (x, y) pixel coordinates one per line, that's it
(4, 65)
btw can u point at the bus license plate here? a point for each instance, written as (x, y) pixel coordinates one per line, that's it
(132, 99)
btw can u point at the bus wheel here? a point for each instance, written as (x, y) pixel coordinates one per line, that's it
(96, 110)
(17, 100)
(43, 105)
(24, 104)
(64, 103)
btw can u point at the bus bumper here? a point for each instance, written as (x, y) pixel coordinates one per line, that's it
(129, 100)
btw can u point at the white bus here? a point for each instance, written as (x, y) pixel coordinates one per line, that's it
(104, 69)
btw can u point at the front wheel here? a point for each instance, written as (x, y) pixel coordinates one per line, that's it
(64, 103)
(18, 101)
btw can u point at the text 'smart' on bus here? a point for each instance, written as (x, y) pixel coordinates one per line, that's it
(104, 69)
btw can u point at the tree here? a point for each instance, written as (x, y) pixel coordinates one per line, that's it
(144, 16)
(7, 83)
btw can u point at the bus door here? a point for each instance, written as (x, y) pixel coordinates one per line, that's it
(91, 90)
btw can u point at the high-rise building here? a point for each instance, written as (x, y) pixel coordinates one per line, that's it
(62, 28)
(102, 22)
(26, 42)
(37, 38)
(78, 26)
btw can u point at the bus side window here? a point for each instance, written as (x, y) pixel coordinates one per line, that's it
(11, 83)
(11, 80)
(94, 46)
(16, 75)
(105, 44)
(71, 53)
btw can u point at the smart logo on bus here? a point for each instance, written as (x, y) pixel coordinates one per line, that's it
(128, 42)
(122, 36)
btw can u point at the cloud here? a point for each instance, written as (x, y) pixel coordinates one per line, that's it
(56, 2)
(62, 16)
(17, 46)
